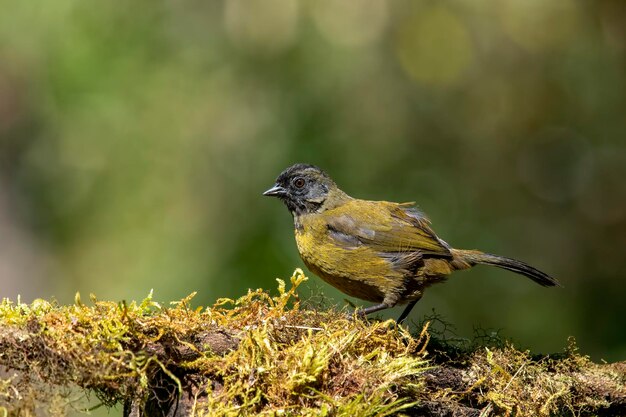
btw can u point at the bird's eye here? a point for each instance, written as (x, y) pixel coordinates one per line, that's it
(299, 182)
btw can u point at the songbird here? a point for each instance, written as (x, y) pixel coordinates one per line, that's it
(377, 251)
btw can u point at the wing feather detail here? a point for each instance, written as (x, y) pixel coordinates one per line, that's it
(397, 232)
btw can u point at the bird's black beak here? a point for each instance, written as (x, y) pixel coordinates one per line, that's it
(276, 191)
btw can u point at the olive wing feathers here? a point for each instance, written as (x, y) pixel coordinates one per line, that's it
(394, 231)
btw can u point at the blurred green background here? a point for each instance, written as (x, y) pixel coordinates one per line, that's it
(136, 139)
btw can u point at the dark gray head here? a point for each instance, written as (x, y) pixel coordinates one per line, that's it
(303, 188)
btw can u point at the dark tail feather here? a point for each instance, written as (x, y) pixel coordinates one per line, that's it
(477, 257)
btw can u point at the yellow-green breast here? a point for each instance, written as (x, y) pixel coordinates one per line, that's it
(358, 272)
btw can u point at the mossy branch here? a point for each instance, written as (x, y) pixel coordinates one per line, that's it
(263, 355)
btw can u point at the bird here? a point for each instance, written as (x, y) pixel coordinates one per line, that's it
(378, 251)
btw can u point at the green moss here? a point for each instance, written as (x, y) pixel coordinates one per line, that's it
(264, 355)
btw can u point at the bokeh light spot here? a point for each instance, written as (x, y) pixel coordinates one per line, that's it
(434, 46)
(537, 24)
(262, 25)
(350, 23)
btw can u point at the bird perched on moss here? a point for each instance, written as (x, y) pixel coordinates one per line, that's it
(374, 250)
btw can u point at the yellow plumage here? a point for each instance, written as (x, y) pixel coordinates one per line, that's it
(358, 269)
(374, 250)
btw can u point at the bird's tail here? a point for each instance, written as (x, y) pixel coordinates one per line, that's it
(473, 257)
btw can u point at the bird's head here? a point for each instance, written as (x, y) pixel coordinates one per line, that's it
(305, 189)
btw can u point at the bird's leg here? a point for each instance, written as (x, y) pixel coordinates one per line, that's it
(407, 310)
(373, 309)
